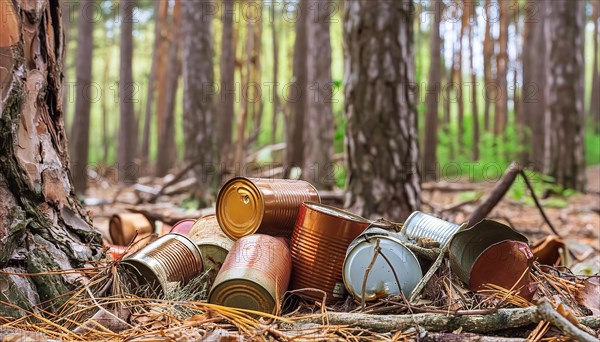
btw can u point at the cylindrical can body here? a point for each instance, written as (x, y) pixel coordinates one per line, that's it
(171, 258)
(255, 274)
(261, 205)
(183, 227)
(124, 227)
(141, 241)
(212, 242)
(321, 237)
(395, 267)
(421, 225)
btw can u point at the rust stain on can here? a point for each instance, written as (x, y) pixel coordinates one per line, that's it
(212, 242)
(183, 227)
(255, 274)
(124, 227)
(318, 246)
(171, 258)
(261, 205)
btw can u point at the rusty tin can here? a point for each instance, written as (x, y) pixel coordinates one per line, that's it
(171, 258)
(395, 269)
(261, 205)
(212, 242)
(319, 243)
(421, 225)
(183, 227)
(124, 227)
(255, 274)
(491, 252)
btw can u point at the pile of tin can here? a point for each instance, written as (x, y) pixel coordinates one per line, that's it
(271, 236)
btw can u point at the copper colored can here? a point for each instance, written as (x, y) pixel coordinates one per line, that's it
(255, 274)
(141, 241)
(212, 242)
(183, 227)
(319, 243)
(262, 205)
(170, 258)
(124, 227)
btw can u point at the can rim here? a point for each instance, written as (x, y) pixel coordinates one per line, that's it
(327, 210)
(228, 286)
(232, 230)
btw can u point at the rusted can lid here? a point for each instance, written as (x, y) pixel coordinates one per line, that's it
(395, 263)
(240, 207)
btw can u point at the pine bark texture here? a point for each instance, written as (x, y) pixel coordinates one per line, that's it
(127, 128)
(564, 99)
(595, 99)
(318, 122)
(80, 140)
(198, 78)
(501, 112)
(294, 125)
(430, 167)
(534, 79)
(380, 108)
(43, 227)
(227, 92)
(488, 53)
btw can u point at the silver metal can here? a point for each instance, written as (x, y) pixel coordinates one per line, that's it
(421, 225)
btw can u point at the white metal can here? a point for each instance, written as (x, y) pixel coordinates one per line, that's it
(421, 225)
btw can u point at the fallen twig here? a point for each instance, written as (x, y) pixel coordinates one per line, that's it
(537, 203)
(547, 312)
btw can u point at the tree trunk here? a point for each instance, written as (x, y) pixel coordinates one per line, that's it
(564, 112)
(162, 61)
(227, 97)
(534, 79)
(459, 76)
(246, 78)
(68, 20)
(501, 112)
(167, 151)
(43, 226)
(474, 107)
(296, 95)
(275, 94)
(319, 124)
(430, 165)
(198, 77)
(127, 128)
(106, 141)
(80, 140)
(488, 53)
(595, 98)
(382, 118)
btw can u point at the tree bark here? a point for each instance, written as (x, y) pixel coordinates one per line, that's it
(534, 79)
(127, 129)
(162, 61)
(80, 140)
(382, 144)
(227, 97)
(488, 53)
(501, 112)
(595, 98)
(296, 98)
(474, 107)
(564, 110)
(43, 226)
(430, 165)
(167, 151)
(275, 94)
(459, 77)
(318, 135)
(198, 78)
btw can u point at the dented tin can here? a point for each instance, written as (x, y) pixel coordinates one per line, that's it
(183, 227)
(318, 246)
(212, 242)
(124, 227)
(260, 205)
(491, 252)
(421, 225)
(396, 269)
(170, 258)
(255, 274)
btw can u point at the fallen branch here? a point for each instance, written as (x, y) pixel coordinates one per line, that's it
(547, 312)
(430, 254)
(537, 203)
(442, 337)
(172, 217)
(173, 181)
(497, 193)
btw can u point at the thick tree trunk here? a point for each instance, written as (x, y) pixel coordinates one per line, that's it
(534, 78)
(319, 123)
(430, 166)
(501, 112)
(595, 98)
(296, 97)
(474, 107)
(167, 151)
(564, 110)
(127, 130)
(246, 106)
(198, 76)
(162, 61)
(488, 53)
(42, 225)
(80, 140)
(227, 97)
(382, 118)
